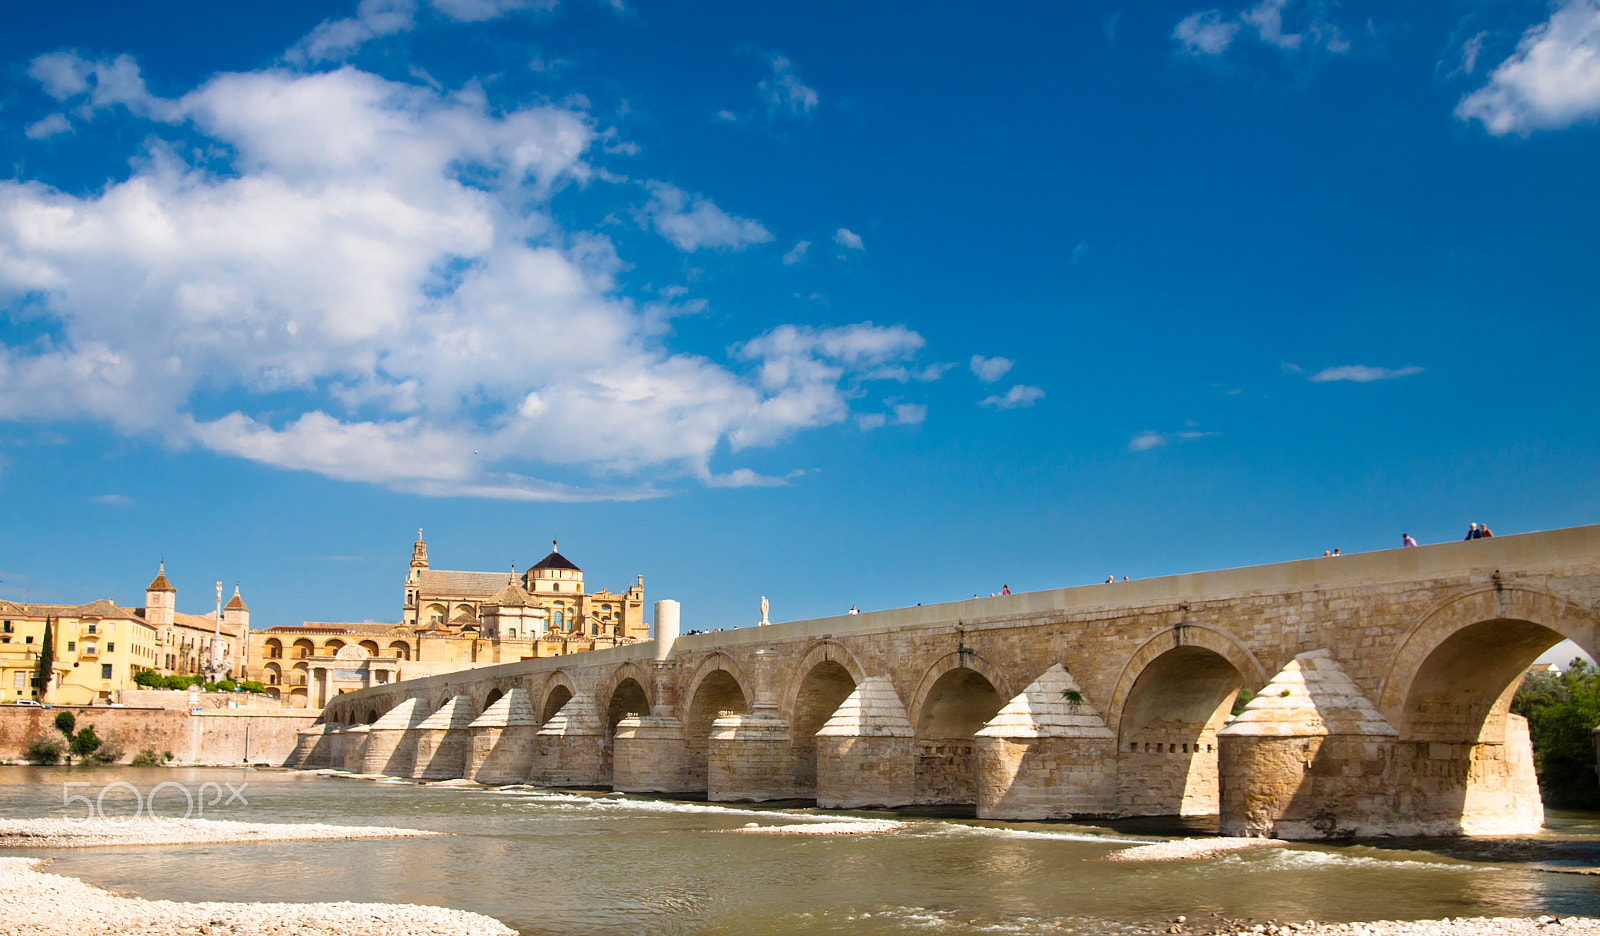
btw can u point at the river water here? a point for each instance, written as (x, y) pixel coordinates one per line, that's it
(575, 862)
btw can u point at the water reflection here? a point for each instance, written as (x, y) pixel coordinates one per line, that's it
(570, 863)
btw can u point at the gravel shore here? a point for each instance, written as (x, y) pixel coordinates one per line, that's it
(89, 833)
(1464, 926)
(34, 903)
(1183, 849)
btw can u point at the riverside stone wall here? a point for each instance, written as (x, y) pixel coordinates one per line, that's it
(224, 737)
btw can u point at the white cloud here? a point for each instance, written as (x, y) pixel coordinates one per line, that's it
(989, 370)
(1020, 395)
(784, 93)
(1145, 441)
(694, 222)
(334, 40)
(1267, 18)
(1470, 50)
(1551, 81)
(105, 83)
(796, 253)
(871, 421)
(49, 127)
(933, 372)
(1211, 32)
(471, 11)
(728, 115)
(113, 500)
(377, 287)
(910, 414)
(1205, 33)
(1360, 373)
(848, 239)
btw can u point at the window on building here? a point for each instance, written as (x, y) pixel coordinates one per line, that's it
(28, 639)
(105, 670)
(72, 645)
(91, 628)
(20, 680)
(89, 649)
(7, 628)
(111, 648)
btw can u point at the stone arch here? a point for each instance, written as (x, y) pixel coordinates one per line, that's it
(821, 651)
(628, 693)
(371, 716)
(718, 685)
(957, 659)
(1489, 604)
(823, 679)
(371, 646)
(332, 646)
(274, 674)
(400, 649)
(303, 648)
(1184, 635)
(495, 695)
(710, 665)
(957, 695)
(272, 648)
(558, 690)
(1463, 761)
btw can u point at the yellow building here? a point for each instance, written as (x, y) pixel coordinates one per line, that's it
(100, 646)
(98, 649)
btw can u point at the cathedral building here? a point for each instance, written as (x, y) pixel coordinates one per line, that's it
(549, 599)
(449, 621)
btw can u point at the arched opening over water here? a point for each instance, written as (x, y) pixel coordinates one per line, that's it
(559, 695)
(1167, 736)
(628, 698)
(372, 716)
(954, 709)
(494, 696)
(822, 690)
(718, 692)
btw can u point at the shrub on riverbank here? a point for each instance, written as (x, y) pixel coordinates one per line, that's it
(44, 750)
(1562, 710)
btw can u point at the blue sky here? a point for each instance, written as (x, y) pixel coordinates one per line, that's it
(836, 303)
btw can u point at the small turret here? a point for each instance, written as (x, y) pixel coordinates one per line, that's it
(236, 614)
(419, 558)
(160, 599)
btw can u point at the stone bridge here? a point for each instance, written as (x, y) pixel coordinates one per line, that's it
(1381, 686)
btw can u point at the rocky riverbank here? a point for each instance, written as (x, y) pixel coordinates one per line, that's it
(36, 903)
(90, 833)
(1463, 926)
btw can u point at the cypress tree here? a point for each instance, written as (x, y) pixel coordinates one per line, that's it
(47, 663)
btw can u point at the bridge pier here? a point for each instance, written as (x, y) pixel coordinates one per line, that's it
(569, 749)
(752, 758)
(351, 747)
(312, 747)
(391, 744)
(443, 743)
(502, 740)
(1309, 758)
(1045, 756)
(649, 755)
(866, 752)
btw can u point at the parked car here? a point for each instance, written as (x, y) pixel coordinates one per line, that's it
(27, 702)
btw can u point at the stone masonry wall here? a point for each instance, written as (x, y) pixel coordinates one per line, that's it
(220, 738)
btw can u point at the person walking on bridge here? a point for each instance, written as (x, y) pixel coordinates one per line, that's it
(1473, 532)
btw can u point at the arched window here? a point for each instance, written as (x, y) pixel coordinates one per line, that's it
(559, 619)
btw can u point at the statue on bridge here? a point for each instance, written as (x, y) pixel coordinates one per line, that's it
(763, 620)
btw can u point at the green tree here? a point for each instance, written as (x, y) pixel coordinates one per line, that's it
(47, 662)
(1562, 711)
(66, 723)
(149, 678)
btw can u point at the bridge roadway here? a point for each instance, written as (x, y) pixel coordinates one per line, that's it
(1382, 684)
